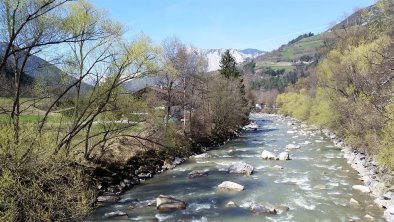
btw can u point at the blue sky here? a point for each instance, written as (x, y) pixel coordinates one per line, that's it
(261, 24)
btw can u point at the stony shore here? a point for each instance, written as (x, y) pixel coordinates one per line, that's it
(377, 180)
(113, 180)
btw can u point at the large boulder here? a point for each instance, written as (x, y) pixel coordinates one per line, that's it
(268, 155)
(230, 186)
(241, 168)
(167, 203)
(196, 174)
(284, 156)
(361, 188)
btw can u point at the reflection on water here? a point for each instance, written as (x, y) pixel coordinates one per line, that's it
(315, 184)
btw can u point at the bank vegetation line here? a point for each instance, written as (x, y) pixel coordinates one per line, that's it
(350, 92)
(378, 180)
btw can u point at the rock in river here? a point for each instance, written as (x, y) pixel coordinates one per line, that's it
(168, 203)
(281, 209)
(354, 203)
(241, 168)
(388, 195)
(230, 204)
(203, 156)
(268, 155)
(368, 217)
(261, 209)
(230, 186)
(284, 156)
(117, 213)
(362, 188)
(196, 174)
(108, 199)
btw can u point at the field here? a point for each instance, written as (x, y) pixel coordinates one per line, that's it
(305, 46)
(31, 113)
(288, 66)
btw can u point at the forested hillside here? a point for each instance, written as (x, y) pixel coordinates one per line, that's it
(351, 89)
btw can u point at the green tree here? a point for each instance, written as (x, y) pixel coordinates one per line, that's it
(228, 66)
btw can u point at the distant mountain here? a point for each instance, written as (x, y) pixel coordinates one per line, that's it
(213, 56)
(42, 71)
(253, 52)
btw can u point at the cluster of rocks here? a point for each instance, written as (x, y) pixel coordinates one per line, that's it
(246, 169)
(271, 156)
(377, 180)
(236, 168)
(261, 209)
(112, 182)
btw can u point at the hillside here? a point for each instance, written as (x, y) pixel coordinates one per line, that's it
(287, 55)
(38, 71)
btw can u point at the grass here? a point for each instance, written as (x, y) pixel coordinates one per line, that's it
(305, 46)
(275, 65)
(30, 114)
(31, 118)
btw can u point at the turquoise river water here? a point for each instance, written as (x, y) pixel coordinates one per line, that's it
(316, 164)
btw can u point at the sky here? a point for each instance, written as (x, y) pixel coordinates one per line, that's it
(239, 24)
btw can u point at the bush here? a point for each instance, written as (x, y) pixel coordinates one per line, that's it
(38, 185)
(386, 151)
(295, 104)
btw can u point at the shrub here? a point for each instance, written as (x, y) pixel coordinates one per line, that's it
(386, 151)
(38, 185)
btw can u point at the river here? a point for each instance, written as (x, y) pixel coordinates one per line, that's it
(316, 184)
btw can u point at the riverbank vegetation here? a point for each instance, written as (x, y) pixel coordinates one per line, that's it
(351, 88)
(63, 125)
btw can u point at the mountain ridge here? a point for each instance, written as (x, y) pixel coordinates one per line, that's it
(213, 56)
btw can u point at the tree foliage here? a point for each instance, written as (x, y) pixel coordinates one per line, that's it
(354, 91)
(228, 66)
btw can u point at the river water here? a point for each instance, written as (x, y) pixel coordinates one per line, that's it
(317, 162)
